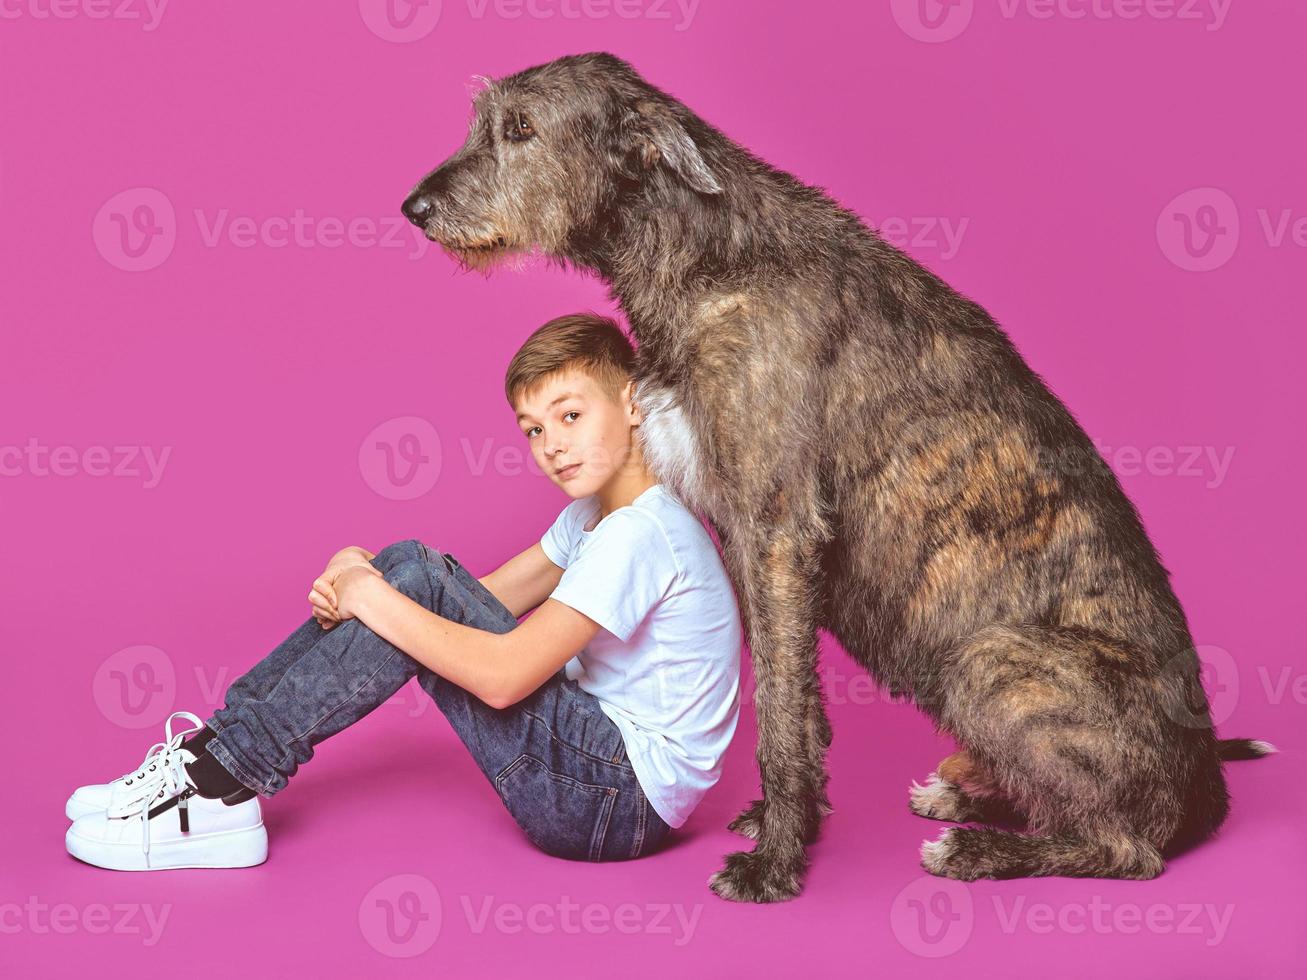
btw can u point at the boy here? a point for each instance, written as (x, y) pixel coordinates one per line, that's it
(601, 719)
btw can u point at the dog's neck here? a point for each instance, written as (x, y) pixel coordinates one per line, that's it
(663, 248)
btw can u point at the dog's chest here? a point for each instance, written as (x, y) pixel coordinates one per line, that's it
(672, 444)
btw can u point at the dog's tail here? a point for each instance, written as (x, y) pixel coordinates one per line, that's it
(1237, 749)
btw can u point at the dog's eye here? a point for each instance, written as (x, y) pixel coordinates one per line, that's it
(518, 128)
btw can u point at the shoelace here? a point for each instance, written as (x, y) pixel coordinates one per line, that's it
(170, 778)
(171, 742)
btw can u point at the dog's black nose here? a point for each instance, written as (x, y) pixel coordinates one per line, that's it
(417, 208)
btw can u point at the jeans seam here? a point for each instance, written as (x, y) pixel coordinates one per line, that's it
(641, 805)
(290, 749)
(353, 695)
(601, 832)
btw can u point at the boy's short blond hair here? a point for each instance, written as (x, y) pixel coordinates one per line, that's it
(583, 342)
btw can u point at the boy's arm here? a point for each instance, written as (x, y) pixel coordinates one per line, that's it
(499, 668)
(524, 581)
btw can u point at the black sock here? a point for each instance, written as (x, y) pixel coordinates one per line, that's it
(211, 778)
(196, 743)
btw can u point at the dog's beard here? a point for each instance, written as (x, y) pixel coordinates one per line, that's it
(489, 256)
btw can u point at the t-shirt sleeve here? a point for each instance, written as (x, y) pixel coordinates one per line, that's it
(557, 540)
(620, 573)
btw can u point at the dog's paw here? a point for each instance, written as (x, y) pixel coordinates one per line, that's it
(749, 822)
(754, 876)
(937, 800)
(955, 854)
(935, 854)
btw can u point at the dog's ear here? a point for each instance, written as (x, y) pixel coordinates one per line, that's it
(650, 133)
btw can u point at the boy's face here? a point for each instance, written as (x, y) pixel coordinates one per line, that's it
(578, 435)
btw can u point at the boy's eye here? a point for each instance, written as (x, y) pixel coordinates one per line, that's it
(536, 428)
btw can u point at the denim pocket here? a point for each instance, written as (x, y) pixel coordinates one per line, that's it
(560, 815)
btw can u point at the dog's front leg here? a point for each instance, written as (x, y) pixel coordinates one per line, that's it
(778, 578)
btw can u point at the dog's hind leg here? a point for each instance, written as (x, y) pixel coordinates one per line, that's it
(969, 853)
(961, 790)
(1074, 729)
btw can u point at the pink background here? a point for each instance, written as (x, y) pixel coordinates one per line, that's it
(345, 388)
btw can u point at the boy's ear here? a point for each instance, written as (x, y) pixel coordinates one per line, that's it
(633, 410)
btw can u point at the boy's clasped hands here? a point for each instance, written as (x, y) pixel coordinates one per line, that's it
(334, 591)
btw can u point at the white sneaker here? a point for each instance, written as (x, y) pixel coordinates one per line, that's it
(161, 822)
(98, 797)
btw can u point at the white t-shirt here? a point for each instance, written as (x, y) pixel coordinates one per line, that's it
(666, 664)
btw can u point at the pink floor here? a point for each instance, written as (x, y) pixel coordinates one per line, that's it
(213, 321)
(393, 817)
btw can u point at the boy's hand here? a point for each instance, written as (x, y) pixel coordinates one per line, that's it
(323, 594)
(350, 585)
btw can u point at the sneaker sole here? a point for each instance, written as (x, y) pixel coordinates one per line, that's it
(229, 849)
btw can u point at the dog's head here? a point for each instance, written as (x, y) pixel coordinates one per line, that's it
(550, 153)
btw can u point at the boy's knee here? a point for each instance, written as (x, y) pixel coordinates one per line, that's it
(412, 576)
(410, 549)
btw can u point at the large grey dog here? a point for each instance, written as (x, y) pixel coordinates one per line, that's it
(878, 460)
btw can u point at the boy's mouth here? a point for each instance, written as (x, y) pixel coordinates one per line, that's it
(567, 472)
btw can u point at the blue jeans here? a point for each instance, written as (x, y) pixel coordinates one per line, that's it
(556, 760)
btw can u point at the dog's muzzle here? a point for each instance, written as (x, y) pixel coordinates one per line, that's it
(418, 208)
